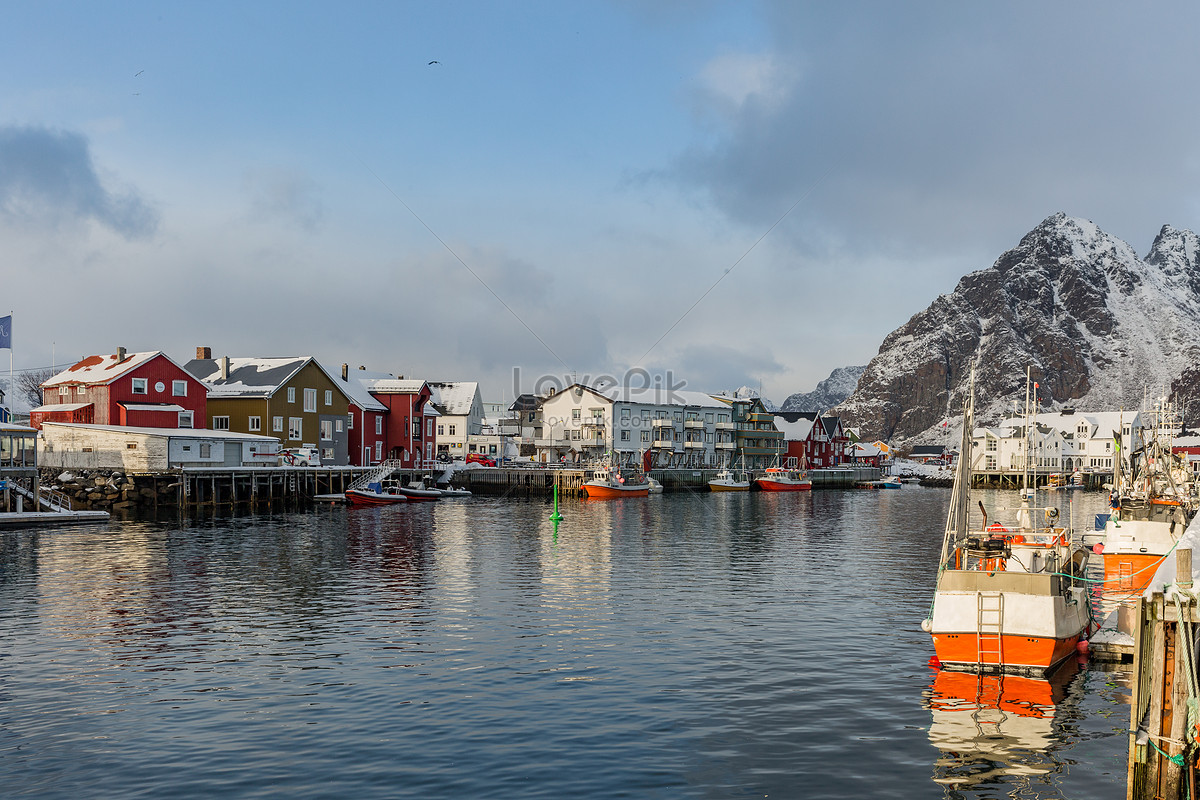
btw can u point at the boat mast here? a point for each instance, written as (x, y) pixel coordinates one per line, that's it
(956, 520)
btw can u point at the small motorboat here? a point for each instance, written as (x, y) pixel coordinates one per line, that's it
(610, 483)
(728, 480)
(445, 490)
(777, 479)
(374, 495)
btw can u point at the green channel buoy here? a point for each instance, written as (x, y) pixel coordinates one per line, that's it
(556, 517)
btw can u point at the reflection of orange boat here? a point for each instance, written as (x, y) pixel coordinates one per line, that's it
(989, 726)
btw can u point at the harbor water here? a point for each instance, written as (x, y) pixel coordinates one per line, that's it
(687, 645)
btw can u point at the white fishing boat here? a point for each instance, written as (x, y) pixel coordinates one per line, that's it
(1151, 505)
(729, 479)
(1009, 596)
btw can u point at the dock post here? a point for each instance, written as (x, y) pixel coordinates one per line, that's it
(1183, 568)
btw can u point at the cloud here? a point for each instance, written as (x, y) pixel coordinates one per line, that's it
(732, 80)
(47, 178)
(285, 195)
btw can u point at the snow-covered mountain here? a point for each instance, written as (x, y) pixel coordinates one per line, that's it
(1097, 324)
(840, 384)
(749, 392)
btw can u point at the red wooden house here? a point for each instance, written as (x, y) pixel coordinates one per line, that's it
(143, 390)
(813, 440)
(368, 418)
(408, 433)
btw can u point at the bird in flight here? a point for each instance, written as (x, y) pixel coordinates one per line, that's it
(139, 72)
(431, 63)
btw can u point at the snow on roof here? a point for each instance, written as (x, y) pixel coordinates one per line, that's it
(796, 431)
(356, 389)
(454, 399)
(174, 433)
(54, 407)
(658, 396)
(248, 377)
(151, 407)
(390, 385)
(100, 369)
(8, 427)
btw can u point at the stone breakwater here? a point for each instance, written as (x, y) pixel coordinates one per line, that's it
(106, 489)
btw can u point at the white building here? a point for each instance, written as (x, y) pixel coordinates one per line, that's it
(83, 446)
(676, 428)
(1066, 441)
(460, 410)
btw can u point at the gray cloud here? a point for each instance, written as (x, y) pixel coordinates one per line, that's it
(287, 195)
(945, 126)
(47, 177)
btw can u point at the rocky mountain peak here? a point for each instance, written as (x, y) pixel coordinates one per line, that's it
(1096, 322)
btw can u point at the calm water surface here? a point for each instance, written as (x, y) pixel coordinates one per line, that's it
(724, 645)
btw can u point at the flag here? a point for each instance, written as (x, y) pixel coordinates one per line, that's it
(6, 332)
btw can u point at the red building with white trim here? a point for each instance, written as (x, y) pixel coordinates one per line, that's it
(145, 390)
(410, 437)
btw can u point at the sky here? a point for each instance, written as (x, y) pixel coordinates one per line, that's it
(703, 194)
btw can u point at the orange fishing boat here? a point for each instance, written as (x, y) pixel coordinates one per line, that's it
(611, 483)
(1009, 598)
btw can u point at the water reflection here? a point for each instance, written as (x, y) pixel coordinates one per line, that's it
(999, 730)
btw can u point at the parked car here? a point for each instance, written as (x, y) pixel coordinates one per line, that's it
(300, 457)
(480, 458)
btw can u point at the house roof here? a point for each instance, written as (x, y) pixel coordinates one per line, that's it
(928, 450)
(796, 429)
(102, 369)
(659, 396)
(390, 385)
(248, 377)
(356, 388)
(151, 407)
(525, 402)
(453, 399)
(55, 407)
(830, 424)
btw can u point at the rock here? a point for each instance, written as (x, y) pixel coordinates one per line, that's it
(66, 477)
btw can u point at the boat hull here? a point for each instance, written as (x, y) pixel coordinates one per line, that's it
(1033, 655)
(419, 494)
(769, 485)
(606, 492)
(1129, 572)
(359, 497)
(731, 486)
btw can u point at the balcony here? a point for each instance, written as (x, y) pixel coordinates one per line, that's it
(725, 445)
(694, 423)
(661, 423)
(664, 444)
(693, 445)
(726, 426)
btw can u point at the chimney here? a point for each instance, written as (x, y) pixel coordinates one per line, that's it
(120, 354)
(345, 372)
(204, 354)
(224, 364)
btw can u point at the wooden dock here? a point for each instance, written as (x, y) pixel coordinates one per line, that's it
(1162, 755)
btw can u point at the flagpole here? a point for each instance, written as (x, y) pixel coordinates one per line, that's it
(10, 369)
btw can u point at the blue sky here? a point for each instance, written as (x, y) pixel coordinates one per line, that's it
(237, 175)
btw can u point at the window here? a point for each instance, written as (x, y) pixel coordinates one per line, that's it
(416, 429)
(645, 436)
(451, 430)
(441, 430)
(78, 390)
(338, 425)
(310, 399)
(378, 424)
(575, 414)
(328, 397)
(185, 419)
(220, 423)
(491, 449)
(327, 454)
(379, 451)
(131, 445)
(624, 436)
(326, 430)
(626, 413)
(991, 445)
(291, 394)
(255, 423)
(708, 417)
(708, 438)
(206, 450)
(349, 422)
(277, 424)
(139, 385)
(64, 391)
(179, 388)
(295, 428)
(678, 416)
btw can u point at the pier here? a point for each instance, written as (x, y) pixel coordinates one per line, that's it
(1012, 479)
(1162, 756)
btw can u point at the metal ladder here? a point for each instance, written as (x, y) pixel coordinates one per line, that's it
(382, 471)
(989, 628)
